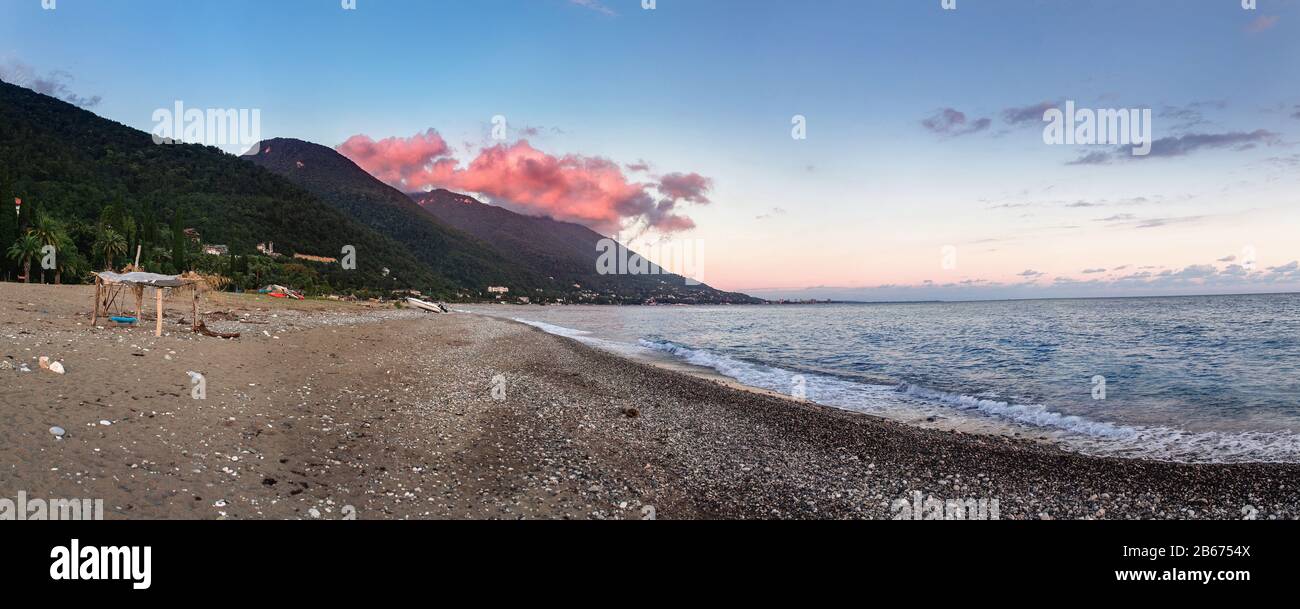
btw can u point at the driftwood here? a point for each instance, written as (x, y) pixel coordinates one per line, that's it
(202, 328)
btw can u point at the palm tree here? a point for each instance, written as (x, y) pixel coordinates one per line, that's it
(22, 250)
(109, 244)
(69, 262)
(49, 232)
(67, 256)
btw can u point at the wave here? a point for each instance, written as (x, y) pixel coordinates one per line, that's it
(1076, 432)
(582, 336)
(553, 329)
(764, 377)
(910, 401)
(1033, 415)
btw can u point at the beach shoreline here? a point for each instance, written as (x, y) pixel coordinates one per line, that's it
(335, 410)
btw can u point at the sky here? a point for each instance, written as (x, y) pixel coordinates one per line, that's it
(856, 149)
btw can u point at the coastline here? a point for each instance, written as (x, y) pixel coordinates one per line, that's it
(325, 406)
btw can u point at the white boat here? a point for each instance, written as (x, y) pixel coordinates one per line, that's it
(428, 306)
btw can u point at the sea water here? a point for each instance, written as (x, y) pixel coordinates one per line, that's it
(1201, 379)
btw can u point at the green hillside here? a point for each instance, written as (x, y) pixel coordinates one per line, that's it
(106, 187)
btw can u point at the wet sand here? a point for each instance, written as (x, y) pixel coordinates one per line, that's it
(334, 410)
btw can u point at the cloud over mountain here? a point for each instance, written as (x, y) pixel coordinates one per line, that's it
(55, 84)
(593, 191)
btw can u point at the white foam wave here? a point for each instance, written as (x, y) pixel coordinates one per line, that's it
(908, 402)
(1034, 415)
(553, 329)
(1076, 432)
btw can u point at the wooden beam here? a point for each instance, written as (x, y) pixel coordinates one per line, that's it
(158, 328)
(94, 317)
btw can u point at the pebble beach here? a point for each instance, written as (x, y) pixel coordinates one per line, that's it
(337, 410)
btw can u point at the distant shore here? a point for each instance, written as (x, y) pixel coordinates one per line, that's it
(334, 410)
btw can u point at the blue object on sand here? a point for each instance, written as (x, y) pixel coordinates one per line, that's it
(124, 320)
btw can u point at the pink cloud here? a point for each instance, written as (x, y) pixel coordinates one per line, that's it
(394, 160)
(592, 191)
(691, 187)
(1261, 23)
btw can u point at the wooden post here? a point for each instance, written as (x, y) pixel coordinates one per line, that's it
(139, 303)
(194, 310)
(94, 317)
(158, 328)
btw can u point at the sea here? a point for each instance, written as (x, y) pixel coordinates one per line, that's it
(1211, 379)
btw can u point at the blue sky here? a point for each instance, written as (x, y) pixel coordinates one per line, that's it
(865, 206)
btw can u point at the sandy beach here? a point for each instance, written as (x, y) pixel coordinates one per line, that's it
(337, 410)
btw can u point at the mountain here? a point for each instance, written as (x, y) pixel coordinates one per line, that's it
(566, 251)
(476, 244)
(472, 264)
(78, 166)
(87, 173)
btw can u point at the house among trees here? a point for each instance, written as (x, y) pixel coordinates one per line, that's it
(496, 289)
(216, 250)
(267, 248)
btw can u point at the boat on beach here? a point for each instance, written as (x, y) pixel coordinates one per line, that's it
(434, 307)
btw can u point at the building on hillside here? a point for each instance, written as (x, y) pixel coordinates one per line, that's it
(267, 248)
(193, 234)
(310, 258)
(496, 289)
(216, 250)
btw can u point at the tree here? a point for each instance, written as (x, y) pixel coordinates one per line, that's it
(8, 220)
(49, 232)
(178, 243)
(110, 243)
(258, 267)
(23, 250)
(70, 263)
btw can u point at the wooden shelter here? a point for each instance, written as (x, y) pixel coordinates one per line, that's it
(110, 286)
